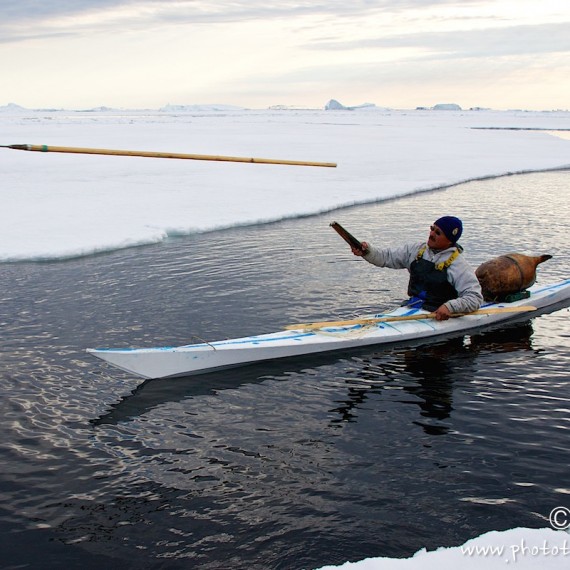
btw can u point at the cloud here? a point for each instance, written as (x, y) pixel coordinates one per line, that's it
(37, 19)
(16, 15)
(28, 11)
(39, 12)
(506, 41)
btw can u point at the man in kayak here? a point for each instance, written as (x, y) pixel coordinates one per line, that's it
(440, 279)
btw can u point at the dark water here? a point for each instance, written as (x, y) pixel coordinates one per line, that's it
(294, 464)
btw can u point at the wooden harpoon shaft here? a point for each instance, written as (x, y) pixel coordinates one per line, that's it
(148, 154)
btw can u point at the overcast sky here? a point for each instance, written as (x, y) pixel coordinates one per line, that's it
(402, 54)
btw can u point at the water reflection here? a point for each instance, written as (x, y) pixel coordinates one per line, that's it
(153, 393)
(509, 339)
(434, 371)
(428, 372)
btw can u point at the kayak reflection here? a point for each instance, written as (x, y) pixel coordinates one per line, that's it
(428, 373)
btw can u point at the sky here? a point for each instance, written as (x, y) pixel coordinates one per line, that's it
(75, 54)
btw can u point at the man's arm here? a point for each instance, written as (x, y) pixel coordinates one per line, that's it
(395, 258)
(463, 278)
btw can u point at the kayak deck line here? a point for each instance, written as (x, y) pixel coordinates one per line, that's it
(214, 345)
(416, 316)
(414, 327)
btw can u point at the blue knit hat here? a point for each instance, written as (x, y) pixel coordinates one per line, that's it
(451, 227)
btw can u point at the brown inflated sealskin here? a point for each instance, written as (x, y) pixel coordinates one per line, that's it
(508, 274)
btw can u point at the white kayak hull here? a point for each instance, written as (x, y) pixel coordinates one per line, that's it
(168, 362)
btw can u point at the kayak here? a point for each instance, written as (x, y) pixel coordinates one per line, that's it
(403, 325)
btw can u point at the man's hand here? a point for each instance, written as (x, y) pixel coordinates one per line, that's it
(361, 252)
(442, 314)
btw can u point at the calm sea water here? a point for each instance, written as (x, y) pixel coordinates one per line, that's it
(292, 464)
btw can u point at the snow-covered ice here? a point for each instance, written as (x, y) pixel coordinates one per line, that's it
(519, 548)
(64, 205)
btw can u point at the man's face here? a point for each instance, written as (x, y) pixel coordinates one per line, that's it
(437, 239)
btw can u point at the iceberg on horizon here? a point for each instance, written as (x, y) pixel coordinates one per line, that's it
(334, 105)
(13, 108)
(447, 107)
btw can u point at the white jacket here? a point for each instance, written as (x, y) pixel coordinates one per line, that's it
(459, 273)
